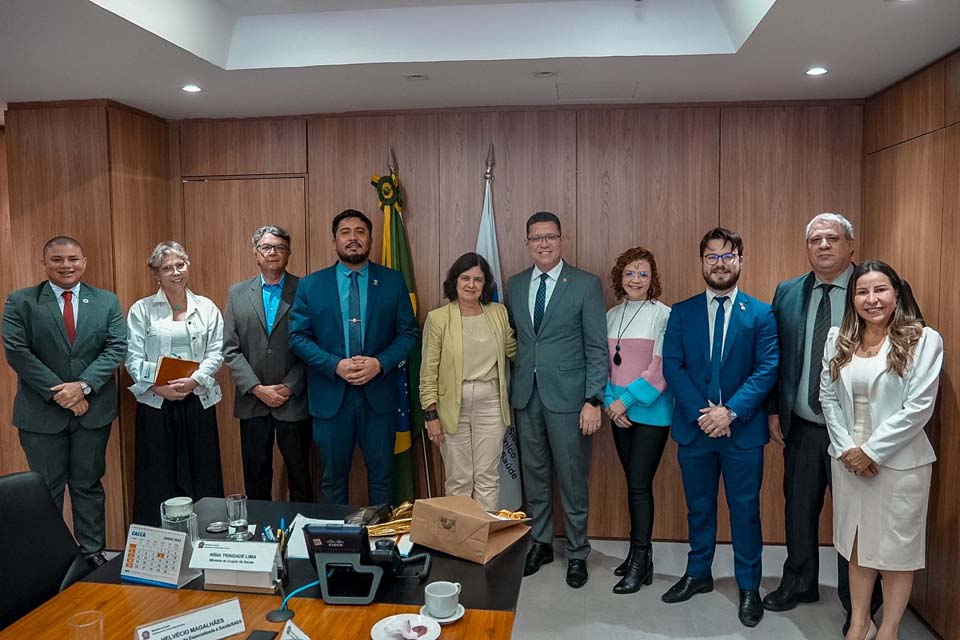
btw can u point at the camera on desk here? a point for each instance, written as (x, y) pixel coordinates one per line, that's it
(350, 572)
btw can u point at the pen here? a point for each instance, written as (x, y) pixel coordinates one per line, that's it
(283, 523)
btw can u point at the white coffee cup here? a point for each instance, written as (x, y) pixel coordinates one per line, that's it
(442, 598)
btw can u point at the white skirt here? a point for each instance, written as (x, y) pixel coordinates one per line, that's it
(887, 514)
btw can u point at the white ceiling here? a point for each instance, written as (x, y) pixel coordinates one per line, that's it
(477, 53)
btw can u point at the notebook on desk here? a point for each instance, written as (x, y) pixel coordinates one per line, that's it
(174, 368)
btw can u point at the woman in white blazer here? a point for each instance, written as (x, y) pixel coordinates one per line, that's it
(881, 370)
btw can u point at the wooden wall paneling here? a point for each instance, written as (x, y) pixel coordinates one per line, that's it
(243, 147)
(60, 185)
(779, 167)
(910, 108)
(10, 454)
(344, 154)
(175, 210)
(140, 196)
(646, 177)
(903, 191)
(952, 89)
(220, 217)
(939, 604)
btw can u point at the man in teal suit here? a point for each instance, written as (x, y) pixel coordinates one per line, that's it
(558, 313)
(65, 340)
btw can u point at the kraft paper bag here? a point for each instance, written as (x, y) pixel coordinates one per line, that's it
(458, 525)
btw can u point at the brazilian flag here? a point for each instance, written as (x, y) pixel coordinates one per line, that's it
(396, 255)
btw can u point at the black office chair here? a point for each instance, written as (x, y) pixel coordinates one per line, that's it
(38, 555)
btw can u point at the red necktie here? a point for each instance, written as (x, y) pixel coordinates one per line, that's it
(68, 315)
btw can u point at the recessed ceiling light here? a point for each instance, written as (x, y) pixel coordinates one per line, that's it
(817, 71)
(192, 88)
(415, 76)
(545, 74)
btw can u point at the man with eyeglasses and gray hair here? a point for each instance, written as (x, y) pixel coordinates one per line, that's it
(271, 399)
(806, 307)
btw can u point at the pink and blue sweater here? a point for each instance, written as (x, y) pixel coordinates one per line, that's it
(638, 380)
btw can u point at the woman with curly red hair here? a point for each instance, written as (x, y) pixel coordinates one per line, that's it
(636, 399)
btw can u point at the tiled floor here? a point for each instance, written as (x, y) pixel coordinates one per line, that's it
(549, 609)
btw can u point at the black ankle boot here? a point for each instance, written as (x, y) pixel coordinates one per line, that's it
(639, 572)
(622, 567)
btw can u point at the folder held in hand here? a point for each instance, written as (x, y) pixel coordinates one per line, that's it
(172, 368)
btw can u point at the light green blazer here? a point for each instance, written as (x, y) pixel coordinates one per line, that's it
(441, 370)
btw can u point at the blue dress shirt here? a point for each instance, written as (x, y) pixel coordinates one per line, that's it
(343, 287)
(271, 300)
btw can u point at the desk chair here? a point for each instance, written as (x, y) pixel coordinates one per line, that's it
(38, 555)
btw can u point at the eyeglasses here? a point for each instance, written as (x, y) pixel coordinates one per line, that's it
(267, 249)
(714, 258)
(630, 275)
(549, 238)
(177, 267)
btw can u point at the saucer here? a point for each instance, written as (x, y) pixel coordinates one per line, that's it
(456, 615)
(379, 630)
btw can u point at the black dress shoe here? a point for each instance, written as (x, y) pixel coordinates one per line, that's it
(96, 561)
(751, 608)
(577, 573)
(783, 600)
(539, 555)
(639, 572)
(622, 567)
(686, 588)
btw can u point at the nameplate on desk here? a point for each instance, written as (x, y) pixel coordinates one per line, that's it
(234, 556)
(292, 632)
(212, 622)
(157, 557)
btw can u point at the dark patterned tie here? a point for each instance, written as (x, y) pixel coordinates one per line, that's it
(716, 353)
(68, 319)
(821, 327)
(541, 303)
(356, 327)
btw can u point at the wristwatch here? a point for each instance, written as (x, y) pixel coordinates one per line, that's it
(594, 401)
(733, 414)
(85, 387)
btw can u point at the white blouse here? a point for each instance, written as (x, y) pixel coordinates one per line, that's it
(148, 339)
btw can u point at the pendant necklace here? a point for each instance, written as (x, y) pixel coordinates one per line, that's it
(617, 360)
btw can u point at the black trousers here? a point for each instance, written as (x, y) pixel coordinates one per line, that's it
(640, 448)
(256, 447)
(806, 477)
(177, 454)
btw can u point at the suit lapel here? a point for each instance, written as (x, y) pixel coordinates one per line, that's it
(48, 299)
(701, 317)
(256, 301)
(286, 296)
(739, 308)
(455, 327)
(563, 283)
(523, 300)
(85, 306)
(801, 317)
(373, 297)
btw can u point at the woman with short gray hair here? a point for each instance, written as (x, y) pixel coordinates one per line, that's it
(177, 444)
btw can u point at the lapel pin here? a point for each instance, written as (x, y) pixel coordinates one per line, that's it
(564, 279)
(743, 307)
(86, 301)
(376, 282)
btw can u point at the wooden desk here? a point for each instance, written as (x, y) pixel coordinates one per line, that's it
(125, 607)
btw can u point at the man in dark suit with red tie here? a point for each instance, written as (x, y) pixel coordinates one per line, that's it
(65, 339)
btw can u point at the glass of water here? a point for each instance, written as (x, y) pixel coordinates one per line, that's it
(237, 517)
(87, 625)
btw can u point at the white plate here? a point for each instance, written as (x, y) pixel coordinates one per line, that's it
(378, 632)
(453, 618)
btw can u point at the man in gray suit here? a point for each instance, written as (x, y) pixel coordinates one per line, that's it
(270, 399)
(65, 340)
(806, 307)
(558, 313)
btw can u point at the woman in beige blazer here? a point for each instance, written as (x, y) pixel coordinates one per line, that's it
(463, 380)
(881, 370)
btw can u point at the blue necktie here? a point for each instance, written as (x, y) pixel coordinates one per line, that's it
(716, 354)
(356, 327)
(541, 303)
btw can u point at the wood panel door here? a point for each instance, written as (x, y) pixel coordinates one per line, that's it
(648, 178)
(779, 167)
(220, 217)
